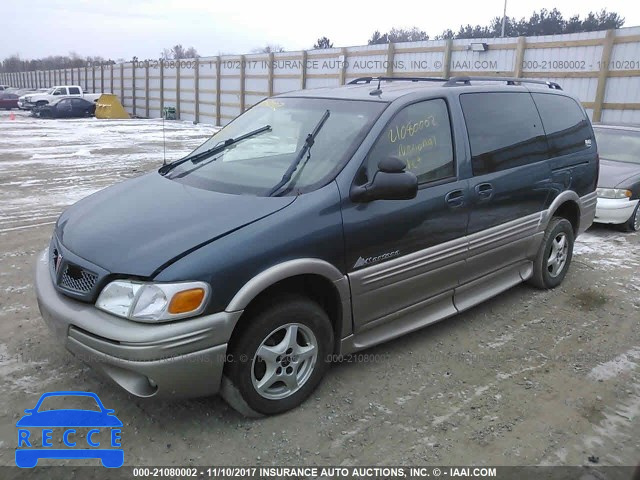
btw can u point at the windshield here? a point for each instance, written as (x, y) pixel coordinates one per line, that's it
(618, 145)
(255, 165)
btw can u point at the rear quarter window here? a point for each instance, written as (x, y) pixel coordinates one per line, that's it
(74, 91)
(565, 123)
(505, 131)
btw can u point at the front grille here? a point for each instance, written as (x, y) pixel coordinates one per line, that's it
(77, 279)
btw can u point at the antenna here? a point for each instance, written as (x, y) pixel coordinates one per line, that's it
(164, 144)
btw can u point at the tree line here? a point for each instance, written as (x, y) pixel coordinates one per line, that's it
(542, 22)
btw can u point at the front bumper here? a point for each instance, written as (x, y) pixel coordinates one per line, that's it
(25, 105)
(184, 358)
(617, 210)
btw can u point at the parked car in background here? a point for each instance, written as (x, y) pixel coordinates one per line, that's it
(619, 181)
(316, 224)
(4, 87)
(29, 101)
(8, 100)
(66, 108)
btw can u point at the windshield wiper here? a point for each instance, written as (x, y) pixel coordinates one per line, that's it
(198, 157)
(308, 143)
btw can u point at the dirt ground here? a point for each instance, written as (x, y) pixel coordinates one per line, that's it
(528, 378)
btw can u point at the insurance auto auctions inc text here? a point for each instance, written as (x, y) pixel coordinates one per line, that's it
(349, 472)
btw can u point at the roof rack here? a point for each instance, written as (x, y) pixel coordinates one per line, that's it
(367, 80)
(455, 81)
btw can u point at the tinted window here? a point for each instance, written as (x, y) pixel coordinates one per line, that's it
(74, 91)
(504, 130)
(420, 135)
(565, 123)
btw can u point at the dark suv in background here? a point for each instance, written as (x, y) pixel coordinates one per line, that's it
(316, 224)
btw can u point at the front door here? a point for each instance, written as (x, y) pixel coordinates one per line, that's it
(401, 253)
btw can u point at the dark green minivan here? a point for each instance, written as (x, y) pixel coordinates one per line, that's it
(316, 224)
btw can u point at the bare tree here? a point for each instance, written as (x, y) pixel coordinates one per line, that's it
(269, 48)
(178, 52)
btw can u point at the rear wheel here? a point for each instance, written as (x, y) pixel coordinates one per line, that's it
(633, 224)
(279, 358)
(555, 253)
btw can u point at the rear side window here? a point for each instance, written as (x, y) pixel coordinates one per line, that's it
(505, 131)
(419, 135)
(74, 91)
(565, 123)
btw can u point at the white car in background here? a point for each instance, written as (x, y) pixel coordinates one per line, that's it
(28, 101)
(619, 180)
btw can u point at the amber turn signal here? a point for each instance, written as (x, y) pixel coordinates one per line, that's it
(186, 301)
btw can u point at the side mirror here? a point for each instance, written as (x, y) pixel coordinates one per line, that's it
(390, 182)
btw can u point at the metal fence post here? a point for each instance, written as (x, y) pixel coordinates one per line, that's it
(218, 110)
(196, 85)
(270, 74)
(146, 89)
(133, 86)
(303, 71)
(122, 84)
(242, 83)
(178, 89)
(162, 88)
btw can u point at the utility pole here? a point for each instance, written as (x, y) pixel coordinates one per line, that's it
(504, 17)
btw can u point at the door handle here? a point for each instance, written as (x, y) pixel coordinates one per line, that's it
(484, 190)
(455, 198)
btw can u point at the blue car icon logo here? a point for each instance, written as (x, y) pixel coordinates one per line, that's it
(69, 425)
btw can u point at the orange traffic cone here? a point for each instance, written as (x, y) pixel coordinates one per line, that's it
(12, 116)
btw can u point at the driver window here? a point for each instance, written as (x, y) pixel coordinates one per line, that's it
(58, 92)
(419, 135)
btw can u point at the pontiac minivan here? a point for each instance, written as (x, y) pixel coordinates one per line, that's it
(316, 224)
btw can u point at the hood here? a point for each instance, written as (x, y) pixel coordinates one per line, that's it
(613, 173)
(139, 225)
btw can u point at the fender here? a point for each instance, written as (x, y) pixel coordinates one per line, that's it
(566, 196)
(586, 209)
(291, 268)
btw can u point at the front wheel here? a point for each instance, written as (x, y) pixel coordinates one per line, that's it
(279, 358)
(554, 256)
(633, 224)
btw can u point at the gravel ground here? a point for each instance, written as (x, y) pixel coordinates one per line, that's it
(531, 377)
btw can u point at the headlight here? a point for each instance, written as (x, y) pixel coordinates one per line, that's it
(613, 193)
(153, 302)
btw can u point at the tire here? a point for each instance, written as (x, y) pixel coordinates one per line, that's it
(555, 254)
(633, 224)
(263, 374)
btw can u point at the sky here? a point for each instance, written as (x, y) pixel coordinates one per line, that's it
(122, 29)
